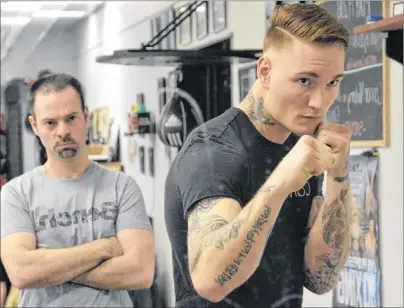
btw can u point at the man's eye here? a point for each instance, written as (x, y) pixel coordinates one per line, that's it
(304, 81)
(334, 83)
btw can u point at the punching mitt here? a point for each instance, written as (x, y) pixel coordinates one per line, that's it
(179, 117)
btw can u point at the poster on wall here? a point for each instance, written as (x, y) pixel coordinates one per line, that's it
(359, 283)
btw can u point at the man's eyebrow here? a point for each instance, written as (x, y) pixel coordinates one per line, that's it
(315, 75)
(66, 116)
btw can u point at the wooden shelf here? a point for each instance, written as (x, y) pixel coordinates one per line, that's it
(394, 28)
(385, 25)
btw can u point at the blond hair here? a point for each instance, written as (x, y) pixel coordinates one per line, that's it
(308, 22)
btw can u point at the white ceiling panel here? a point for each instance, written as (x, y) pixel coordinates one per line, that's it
(16, 37)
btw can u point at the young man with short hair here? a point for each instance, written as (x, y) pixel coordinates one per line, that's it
(244, 213)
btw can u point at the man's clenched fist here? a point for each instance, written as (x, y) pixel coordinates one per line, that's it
(338, 138)
(311, 156)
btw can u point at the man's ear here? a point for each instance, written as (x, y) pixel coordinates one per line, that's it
(33, 123)
(263, 71)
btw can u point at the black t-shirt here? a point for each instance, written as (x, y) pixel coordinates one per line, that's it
(228, 157)
(4, 276)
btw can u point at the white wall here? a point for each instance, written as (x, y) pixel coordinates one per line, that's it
(122, 25)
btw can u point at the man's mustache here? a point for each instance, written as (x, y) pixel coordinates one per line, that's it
(66, 140)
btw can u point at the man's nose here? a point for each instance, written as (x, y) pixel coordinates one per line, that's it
(63, 129)
(318, 99)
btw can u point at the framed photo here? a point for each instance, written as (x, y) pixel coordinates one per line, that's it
(219, 15)
(398, 8)
(159, 23)
(247, 77)
(185, 28)
(152, 31)
(169, 16)
(202, 20)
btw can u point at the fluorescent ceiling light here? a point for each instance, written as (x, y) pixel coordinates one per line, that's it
(23, 6)
(58, 14)
(14, 20)
(69, 2)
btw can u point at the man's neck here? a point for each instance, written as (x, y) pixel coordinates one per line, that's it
(66, 169)
(252, 106)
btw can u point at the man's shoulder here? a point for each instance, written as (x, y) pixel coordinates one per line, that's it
(214, 136)
(111, 175)
(20, 182)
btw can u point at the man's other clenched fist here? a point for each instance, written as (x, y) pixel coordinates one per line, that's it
(338, 138)
(312, 156)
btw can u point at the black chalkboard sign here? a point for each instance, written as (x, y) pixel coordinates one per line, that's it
(362, 103)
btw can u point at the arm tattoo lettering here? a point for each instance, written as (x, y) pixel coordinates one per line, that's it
(256, 230)
(210, 238)
(266, 188)
(211, 230)
(257, 113)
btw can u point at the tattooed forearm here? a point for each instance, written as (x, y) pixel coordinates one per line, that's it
(326, 274)
(266, 188)
(209, 238)
(335, 222)
(256, 230)
(256, 111)
(210, 230)
(328, 261)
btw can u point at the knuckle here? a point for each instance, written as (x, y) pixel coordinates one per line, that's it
(306, 139)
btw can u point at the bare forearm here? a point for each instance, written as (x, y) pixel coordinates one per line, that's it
(228, 256)
(120, 273)
(48, 267)
(3, 293)
(328, 245)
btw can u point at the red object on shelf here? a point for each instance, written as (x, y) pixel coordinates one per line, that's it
(2, 181)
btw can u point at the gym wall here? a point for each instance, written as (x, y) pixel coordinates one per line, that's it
(125, 25)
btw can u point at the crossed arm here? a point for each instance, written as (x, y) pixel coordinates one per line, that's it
(99, 264)
(328, 245)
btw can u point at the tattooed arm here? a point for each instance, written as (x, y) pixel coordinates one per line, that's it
(226, 243)
(328, 245)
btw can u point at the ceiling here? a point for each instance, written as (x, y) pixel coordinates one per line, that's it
(21, 20)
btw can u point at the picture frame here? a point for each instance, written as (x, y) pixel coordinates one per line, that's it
(219, 15)
(247, 76)
(159, 24)
(185, 28)
(398, 8)
(169, 16)
(152, 31)
(202, 20)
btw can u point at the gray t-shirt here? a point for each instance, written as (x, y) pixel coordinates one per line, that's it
(63, 213)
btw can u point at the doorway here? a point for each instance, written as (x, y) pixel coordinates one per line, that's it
(210, 85)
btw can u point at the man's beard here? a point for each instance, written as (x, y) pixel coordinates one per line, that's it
(67, 153)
